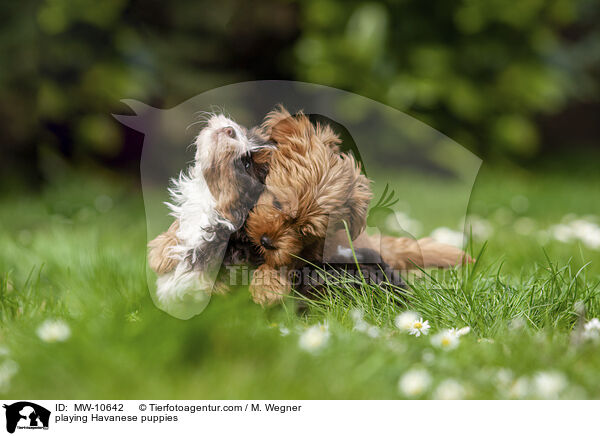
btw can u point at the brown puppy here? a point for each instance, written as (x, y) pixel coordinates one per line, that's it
(311, 190)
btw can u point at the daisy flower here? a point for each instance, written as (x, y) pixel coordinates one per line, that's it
(549, 384)
(449, 389)
(448, 236)
(54, 331)
(463, 331)
(591, 329)
(8, 369)
(405, 320)
(314, 337)
(359, 323)
(520, 388)
(562, 233)
(414, 382)
(593, 324)
(419, 327)
(373, 331)
(517, 324)
(447, 339)
(503, 377)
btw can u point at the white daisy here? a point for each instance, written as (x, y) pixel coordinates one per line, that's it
(448, 236)
(517, 323)
(361, 326)
(284, 331)
(414, 382)
(419, 327)
(446, 340)
(356, 315)
(562, 233)
(592, 325)
(480, 228)
(592, 239)
(54, 331)
(504, 377)
(373, 331)
(8, 369)
(400, 221)
(405, 320)
(314, 337)
(524, 226)
(449, 389)
(520, 388)
(572, 228)
(359, 323)
(463, 331)
(549, 384)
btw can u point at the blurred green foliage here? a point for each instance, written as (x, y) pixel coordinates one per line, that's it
(67, 63)
(480, 71)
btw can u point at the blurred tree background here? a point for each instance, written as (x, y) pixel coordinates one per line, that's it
(508, 80)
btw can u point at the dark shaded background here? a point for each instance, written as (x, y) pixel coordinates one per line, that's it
(509, 80)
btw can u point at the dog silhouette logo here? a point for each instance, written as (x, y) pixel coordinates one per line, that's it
(26, 415)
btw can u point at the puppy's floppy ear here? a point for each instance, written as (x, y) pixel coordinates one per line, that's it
(328, 137)
(282, 127)
(273, 118)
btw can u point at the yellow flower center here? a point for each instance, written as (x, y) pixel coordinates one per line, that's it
(418, 325)
(445, 342)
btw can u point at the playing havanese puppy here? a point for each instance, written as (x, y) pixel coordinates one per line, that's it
(210, 202)
(311, 189)
(314, 210)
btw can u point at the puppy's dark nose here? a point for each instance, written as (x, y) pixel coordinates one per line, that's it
(266, 242)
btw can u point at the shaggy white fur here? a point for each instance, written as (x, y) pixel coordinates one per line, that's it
(184, 292)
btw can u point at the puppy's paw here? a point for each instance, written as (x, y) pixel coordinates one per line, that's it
(269, 286)
(159, 250)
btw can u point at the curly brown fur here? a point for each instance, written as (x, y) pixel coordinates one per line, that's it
(311, 189)
(407, 253)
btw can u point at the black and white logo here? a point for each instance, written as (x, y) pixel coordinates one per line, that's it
(26, 415)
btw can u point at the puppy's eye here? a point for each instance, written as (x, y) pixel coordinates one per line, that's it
(247, 161)
(276, 204)
(229, 131)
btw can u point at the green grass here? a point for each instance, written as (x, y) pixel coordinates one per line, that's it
(65, 253)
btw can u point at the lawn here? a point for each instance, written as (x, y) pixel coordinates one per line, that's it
(75, 251)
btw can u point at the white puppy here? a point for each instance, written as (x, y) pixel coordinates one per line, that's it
(210, 201)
